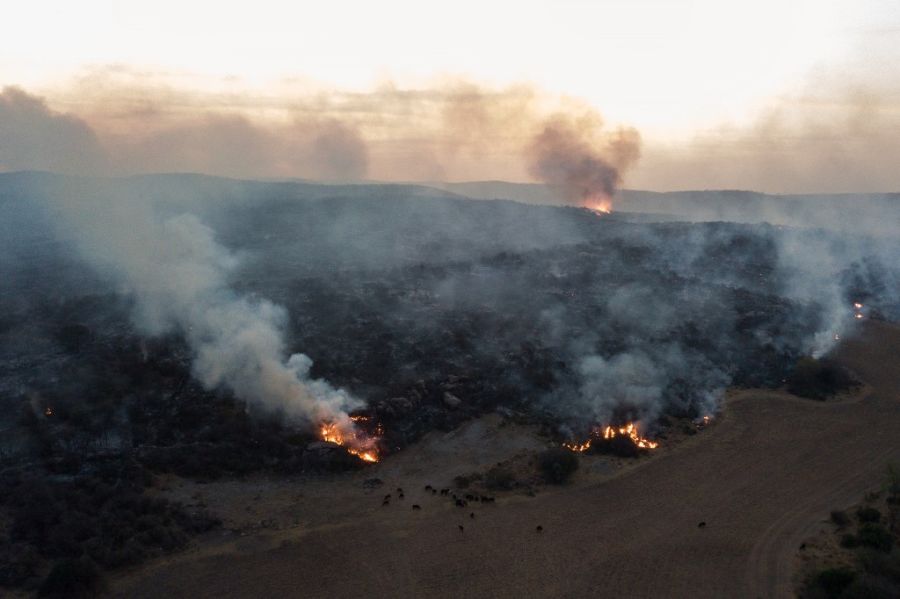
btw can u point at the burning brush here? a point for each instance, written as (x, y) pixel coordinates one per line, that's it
(599, 206)
(351, 438)
(621, 440)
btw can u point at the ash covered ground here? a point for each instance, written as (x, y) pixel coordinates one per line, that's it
(425, 307)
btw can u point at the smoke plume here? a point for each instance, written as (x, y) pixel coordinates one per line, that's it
(177, 275)
(34, 137)
(569, 155)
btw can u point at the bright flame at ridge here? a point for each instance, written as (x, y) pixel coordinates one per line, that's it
(356, 443)
(602, 206)
(630, 431)
(607, 433)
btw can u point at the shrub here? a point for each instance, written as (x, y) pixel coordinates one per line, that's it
(18, 563)
(886, 565)
(868, 514)
(832, 581)
(72, 578)
(620, 445)
(557, 465)
(849, 541)
(892, 484)
(499, 478)
(871, 587)
(875, 536)
(840, 518)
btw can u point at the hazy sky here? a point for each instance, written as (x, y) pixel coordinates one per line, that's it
(701, 80)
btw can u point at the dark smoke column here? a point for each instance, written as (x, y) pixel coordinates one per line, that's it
(580, 161)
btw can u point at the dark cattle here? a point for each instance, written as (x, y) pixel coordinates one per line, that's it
(399, 490)
(460, 503)
(701, 525)
(434, 491)
(472, 515)
(469, 497)
(417, 507)
(540, 528)
(427, 487)
(401, 496)
(461, 528)
(445, 491)
(386, 502)
(388, 496)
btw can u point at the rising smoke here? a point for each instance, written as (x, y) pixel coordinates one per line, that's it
(570, 155)
(664, 325)
(178, 277)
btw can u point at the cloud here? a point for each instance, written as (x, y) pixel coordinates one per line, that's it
(833, 137)
(34, 137)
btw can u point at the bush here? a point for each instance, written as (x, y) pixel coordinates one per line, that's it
(849, 541)
(818, 379)
(875, 536)
(620, 445)
(840, 518)
(868, 514)
(832, 581)
(886, 565)
(499, 478)
(557, 465)
(72, 578)
(871, 587)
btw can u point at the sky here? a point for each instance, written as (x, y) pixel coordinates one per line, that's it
(776, 95)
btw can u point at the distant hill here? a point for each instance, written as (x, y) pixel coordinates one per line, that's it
(868, 212)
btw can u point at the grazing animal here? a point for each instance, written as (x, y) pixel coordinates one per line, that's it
(460, 503)
(472, 515)
(469, 497)
(445, 491)
(434, 491)
(427, 487)
(702, 524)
(386, 502)
(400, 490)
(400, 496)
(540, 528)
(387, 497)
(417, 506)
(461, 528)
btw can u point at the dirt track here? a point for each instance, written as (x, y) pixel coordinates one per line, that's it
(762, 479)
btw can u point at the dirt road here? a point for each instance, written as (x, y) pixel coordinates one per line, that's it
(761, 479)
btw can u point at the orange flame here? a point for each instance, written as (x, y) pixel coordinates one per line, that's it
(608, 433)
(630, 431)
(603, 206)
(356, 443)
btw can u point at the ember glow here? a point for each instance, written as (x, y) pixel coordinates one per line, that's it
(601, 206)
(608, 433)
(630, 431)
(354, 441)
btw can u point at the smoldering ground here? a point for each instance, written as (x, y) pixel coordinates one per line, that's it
(596, 317)
(403, 294)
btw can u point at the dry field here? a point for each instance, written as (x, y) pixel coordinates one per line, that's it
(763, 478)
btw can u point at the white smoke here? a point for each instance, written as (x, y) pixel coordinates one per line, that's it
(178, 276)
